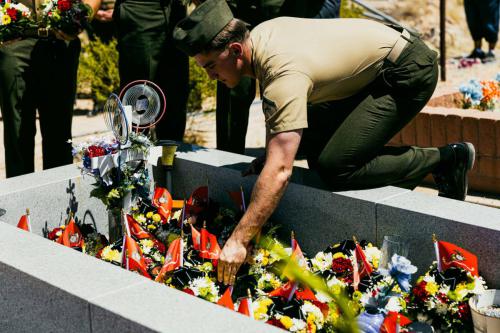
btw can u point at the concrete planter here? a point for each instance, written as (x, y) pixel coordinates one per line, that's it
(50, 288)
(436, 126)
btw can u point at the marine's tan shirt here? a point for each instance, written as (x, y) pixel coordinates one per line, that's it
(300, 61)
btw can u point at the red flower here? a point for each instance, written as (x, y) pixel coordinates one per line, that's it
(463, 311)
(188, 291)
(275, 322)
(12, 12)
(94, 151)
(52, 235)
(341, 265)
(63, 5)
(420, 293)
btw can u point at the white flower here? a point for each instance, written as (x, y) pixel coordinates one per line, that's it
(372, 253)
(429, 278)
(441, 308)
(322, 261)
(307, 308)
(323, 298)
(394, 305)
(298, 325)
(205, 288)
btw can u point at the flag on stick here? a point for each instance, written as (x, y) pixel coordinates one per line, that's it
(134, 260)
(196, 237)
(361, 266)
(226, 300)
(198, 200)
(24, 222)
(246, 306)
(450, 255)
(173, 259)
(162, 199)
(393, 322)
(209, 247)
(72, 237)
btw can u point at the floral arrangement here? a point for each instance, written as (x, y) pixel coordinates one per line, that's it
(14, 18)
(68, 16)
(181, 251)
(441, 299)
(483, 95)
(118, 173)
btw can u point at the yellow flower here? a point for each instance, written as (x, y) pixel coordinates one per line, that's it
(375, 262)
(267, 301)
(286, 321)
(432, 288)
(62, 226)
(156, 217)
(147, 243)
(151, 227)
(7, 5)
(265, 261)
(338, 255)
(357, 295)
(149, 215)
(113, 194)
(336, 289)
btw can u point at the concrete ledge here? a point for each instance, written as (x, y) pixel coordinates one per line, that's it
(50, 288)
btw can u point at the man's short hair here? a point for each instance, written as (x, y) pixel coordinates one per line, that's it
(235, 31)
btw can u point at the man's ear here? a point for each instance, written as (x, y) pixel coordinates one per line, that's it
(236, 49)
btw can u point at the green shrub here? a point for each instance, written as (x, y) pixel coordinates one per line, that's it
(350, 9)
(201, 87)
(98, 72)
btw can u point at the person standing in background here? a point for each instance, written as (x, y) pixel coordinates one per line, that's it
(102, 25)
(38, 72)
(482, 19)
(147, 52)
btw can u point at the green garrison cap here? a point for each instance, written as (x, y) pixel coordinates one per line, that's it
(194, 32)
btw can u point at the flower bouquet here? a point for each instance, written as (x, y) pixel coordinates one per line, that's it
(14, 18)
(483, 95)
(68, 16)
(441, 299)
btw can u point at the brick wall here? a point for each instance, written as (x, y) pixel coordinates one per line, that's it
(437, 126)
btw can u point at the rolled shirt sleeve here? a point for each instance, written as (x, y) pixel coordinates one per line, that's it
(284, 102)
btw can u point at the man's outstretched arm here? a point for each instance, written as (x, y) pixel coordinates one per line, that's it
(268, 190)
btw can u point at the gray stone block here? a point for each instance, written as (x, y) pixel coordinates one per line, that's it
(50, 203)
(152, 307)
(417, 216)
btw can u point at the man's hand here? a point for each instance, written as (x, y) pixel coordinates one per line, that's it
(233, 255)
(255, 167)
(104, 15)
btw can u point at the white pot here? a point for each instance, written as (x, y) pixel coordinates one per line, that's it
(483, 323)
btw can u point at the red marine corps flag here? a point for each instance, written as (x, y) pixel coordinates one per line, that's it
(393, 322)
(209, 247)
(139, 233)
(246, 305)
(72, 237)
(226, 300)
(162, 199)
(361, 266)
(133, 258)
(238, 198)
(449, 255)
(286, 291)
(196, 237)
(173, 259)
(24, 222)
(198, 200)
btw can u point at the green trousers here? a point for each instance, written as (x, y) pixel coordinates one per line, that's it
(346, 139)
(147, 52)
(37, 74)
